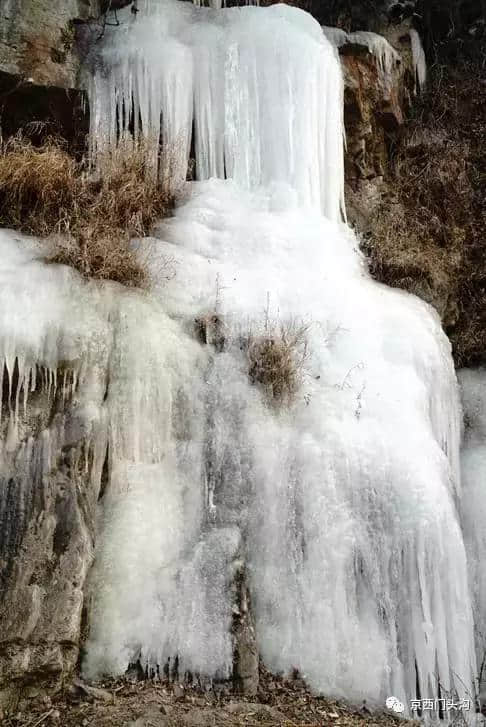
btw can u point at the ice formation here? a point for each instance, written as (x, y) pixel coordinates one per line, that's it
(341, 503)
(219, 71)
(387, 57)
(473, 502)
(419, 61)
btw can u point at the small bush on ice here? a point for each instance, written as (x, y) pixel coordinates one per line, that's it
(89, 216)
(276, 359)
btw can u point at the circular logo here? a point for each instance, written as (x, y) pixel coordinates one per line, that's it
(395, 704)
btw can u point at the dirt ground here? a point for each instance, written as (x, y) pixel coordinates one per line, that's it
(280, 702)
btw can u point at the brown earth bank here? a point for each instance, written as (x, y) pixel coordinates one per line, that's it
(426, 233)
(280, 702)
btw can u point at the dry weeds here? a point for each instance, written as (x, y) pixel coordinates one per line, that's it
(90, 217)
(428, 236)
(276, 358)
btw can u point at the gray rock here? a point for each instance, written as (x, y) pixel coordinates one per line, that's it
(179, 692)
(95, 692)
(245, 649)
(47, 523)
(37, 39)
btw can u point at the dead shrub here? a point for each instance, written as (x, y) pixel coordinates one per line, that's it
(90, 217)
(276, 359)
(428, 235)
(101, 256)
(38, 186)
(128, 193)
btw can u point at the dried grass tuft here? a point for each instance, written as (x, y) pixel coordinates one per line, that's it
(90, 217)
(38, 186)
(428, 235)
(276, 359)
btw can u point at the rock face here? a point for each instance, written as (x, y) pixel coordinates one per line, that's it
(39, 65)
(47, 509)
(37, 39)
(245, 652)
(375, 107)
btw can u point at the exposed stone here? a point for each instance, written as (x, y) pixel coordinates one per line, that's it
(94, 692)
(42, 111)
(179, 692)
(245, 652)
(40, 61)
(37, 39)
(47, 511)
(373, 114)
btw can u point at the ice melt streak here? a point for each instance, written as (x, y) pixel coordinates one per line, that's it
(419, 61)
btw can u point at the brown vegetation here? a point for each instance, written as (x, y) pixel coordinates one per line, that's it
(276, 359)
(89, 216)
(428, 236)
(282, 701)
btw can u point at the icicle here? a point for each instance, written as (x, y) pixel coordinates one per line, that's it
(181, 65)
(419, 62)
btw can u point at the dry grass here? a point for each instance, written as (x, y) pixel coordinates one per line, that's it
(428, 236)
(276, 359)
(38, 186)
(90, 217)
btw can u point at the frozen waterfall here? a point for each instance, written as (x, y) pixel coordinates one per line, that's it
(236, 77)
(342, 504)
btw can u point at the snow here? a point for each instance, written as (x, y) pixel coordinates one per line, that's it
(342, 503)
